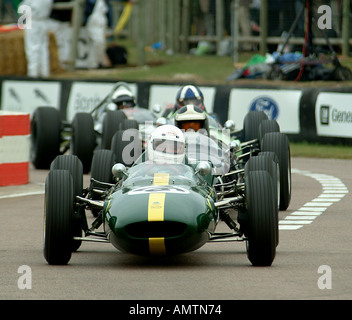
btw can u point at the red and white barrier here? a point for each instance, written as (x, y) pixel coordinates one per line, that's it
(14, 148)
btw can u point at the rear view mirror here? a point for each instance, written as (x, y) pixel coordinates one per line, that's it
(119, 170)
(203, 168)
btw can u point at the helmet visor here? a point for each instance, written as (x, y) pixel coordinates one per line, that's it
(125, 104)
(194, 101)
(168, 146)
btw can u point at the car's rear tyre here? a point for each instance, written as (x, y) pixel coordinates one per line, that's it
(75, 167)
(111, 124)
(83, 140)
(129, 124)
(45, 136)
(261, 206)
(267, 126)
(272, 155)
(278, 142)
(58, 212)
(102, 163)
(127, 146)
(251, 124)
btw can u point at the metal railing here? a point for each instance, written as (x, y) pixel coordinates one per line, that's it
(171, 22)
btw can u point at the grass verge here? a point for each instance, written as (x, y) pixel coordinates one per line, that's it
(321, 151)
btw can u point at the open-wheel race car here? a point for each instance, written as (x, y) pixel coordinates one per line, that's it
(155, 208)
(51, 136)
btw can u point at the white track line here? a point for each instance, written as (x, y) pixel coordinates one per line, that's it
(333, 191)
(24, 194)
(31, 189)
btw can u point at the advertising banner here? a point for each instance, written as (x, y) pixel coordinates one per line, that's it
(333, 114)
(26, 96)
(84, 96)
(279, 105)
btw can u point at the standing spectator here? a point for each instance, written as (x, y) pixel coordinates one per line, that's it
(96, 21)
(37, 39)
(245, 22)
(275, 18)
(202, 13)
(206, 8)
(60, 25)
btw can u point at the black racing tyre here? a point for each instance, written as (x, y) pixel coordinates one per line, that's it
(127, 146)
(45, 136)
(264, 162)
(275, 159)
(75, 167)
(129, 124)
(111, 124)
(83, 140)
(102, 163)
(267, 126)
(58, 213)
(251, 124)
(278, 142)
(261, 206)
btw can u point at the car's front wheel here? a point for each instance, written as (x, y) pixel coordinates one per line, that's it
(261, 208)
(58, 213)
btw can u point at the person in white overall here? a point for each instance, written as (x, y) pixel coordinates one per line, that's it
(96, 27)
(36, 38)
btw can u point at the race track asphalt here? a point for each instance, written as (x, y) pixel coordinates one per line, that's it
(313, 259)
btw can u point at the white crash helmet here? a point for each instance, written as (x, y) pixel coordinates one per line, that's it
(123, 98)
(166, 145)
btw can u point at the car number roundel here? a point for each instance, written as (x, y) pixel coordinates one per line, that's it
(158, 189)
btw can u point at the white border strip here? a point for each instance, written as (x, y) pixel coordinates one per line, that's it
(333, 191)
(24, 194)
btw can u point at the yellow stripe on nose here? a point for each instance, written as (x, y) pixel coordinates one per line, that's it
(156, 207)
(157, 246)
(161, 179)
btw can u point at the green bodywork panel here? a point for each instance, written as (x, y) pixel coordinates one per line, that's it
(181, 217)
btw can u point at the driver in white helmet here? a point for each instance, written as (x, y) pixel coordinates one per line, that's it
(166, 145)
(123, 98)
